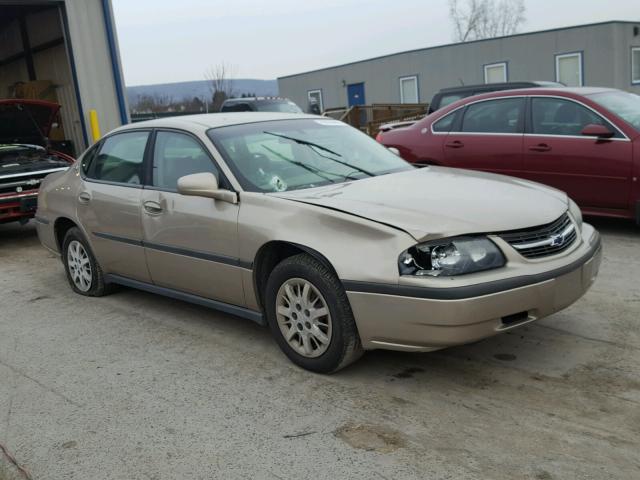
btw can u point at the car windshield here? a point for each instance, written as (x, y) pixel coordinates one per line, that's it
(286, 155)
(623, 104)
(285, 106)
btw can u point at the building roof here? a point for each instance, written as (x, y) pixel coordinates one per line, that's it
(537, 32)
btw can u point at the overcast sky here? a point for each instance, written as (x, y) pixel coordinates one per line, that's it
(178, 40)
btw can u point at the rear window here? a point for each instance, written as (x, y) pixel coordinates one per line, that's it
(494, 116)
(120, 158)
(284, 106)
(236, 107)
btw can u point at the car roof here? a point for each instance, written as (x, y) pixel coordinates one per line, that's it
(560, 91)
(255, 99)
(495, 86)
(202, 122)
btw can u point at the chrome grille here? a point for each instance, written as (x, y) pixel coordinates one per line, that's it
(545, 240)
(18, 182)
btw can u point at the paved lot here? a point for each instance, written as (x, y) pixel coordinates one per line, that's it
(135, 386)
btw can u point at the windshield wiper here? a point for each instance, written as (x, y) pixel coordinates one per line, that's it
(314, 170)
(320, 147)
(304, 142)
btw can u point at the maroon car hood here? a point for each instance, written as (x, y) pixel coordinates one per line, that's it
(26, 121)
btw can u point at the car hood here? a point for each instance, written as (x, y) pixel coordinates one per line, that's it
(435, 201)
(26, 121)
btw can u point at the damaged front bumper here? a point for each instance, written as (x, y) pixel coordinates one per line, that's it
(404, 318)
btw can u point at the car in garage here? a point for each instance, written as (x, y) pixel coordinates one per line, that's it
(25, 156)
(309, 226)
(584, 141)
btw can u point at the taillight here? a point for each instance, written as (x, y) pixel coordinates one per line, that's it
(379, 137)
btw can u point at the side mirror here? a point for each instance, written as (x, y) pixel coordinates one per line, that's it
(594, 130)
(205, 185)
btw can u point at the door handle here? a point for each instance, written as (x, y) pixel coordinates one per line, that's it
(541, 147)
(152, 208)
(454, 144)
(84, 198)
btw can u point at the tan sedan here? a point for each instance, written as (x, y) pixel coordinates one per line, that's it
(308, 226)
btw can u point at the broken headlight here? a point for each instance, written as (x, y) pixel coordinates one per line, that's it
(454, 256)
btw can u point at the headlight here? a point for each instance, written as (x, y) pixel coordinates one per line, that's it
(576, 213)
(455, 256)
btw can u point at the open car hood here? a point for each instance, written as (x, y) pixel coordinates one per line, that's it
(435, 201)
(26, 121)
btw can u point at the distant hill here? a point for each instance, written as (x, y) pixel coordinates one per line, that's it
(200, 88)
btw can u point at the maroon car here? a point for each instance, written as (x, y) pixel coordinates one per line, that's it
(585, 141)
(25, 156)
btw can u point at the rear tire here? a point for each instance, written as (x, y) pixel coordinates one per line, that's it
(309, 315)
(83, 270)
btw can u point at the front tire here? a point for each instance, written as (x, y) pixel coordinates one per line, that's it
(83, 271)
(309, 315)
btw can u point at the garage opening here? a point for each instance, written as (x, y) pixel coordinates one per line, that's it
(35, 63)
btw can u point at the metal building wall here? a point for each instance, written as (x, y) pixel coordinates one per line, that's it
(606, 56)
(94, 64)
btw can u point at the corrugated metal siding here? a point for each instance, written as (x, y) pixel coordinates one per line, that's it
(605, 47)
(93, 61)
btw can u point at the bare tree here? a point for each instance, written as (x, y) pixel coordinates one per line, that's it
(220, 79)
(146, 103)
(478, 19)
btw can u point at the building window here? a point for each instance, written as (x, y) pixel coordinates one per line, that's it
(409, 89)
(569, 69)
(315, 101)
(495, 73)
(635, 65)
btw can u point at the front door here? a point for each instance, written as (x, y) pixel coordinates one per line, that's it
(191, 243)
(355, 96)
(488, 137)
(108, 204)
(594, 172)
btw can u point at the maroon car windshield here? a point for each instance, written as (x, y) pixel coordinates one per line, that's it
(623, 104)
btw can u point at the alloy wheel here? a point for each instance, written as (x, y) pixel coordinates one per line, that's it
(79, 266)
(303, 317)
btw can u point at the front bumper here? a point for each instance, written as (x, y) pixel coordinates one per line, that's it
(425, 320)
(18, 205)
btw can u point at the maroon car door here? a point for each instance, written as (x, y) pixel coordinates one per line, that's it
(595, 172)
(488, 137)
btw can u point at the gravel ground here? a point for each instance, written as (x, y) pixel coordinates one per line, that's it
(136, 386)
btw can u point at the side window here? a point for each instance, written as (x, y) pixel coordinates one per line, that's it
(446, 122)
(88, 157)
(120, 159)
(494, 116)
(176, 155)
(555, 116)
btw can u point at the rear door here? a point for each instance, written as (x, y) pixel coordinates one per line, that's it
(191, 243)
(488, 137)
(108, 203)
(594, 172)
